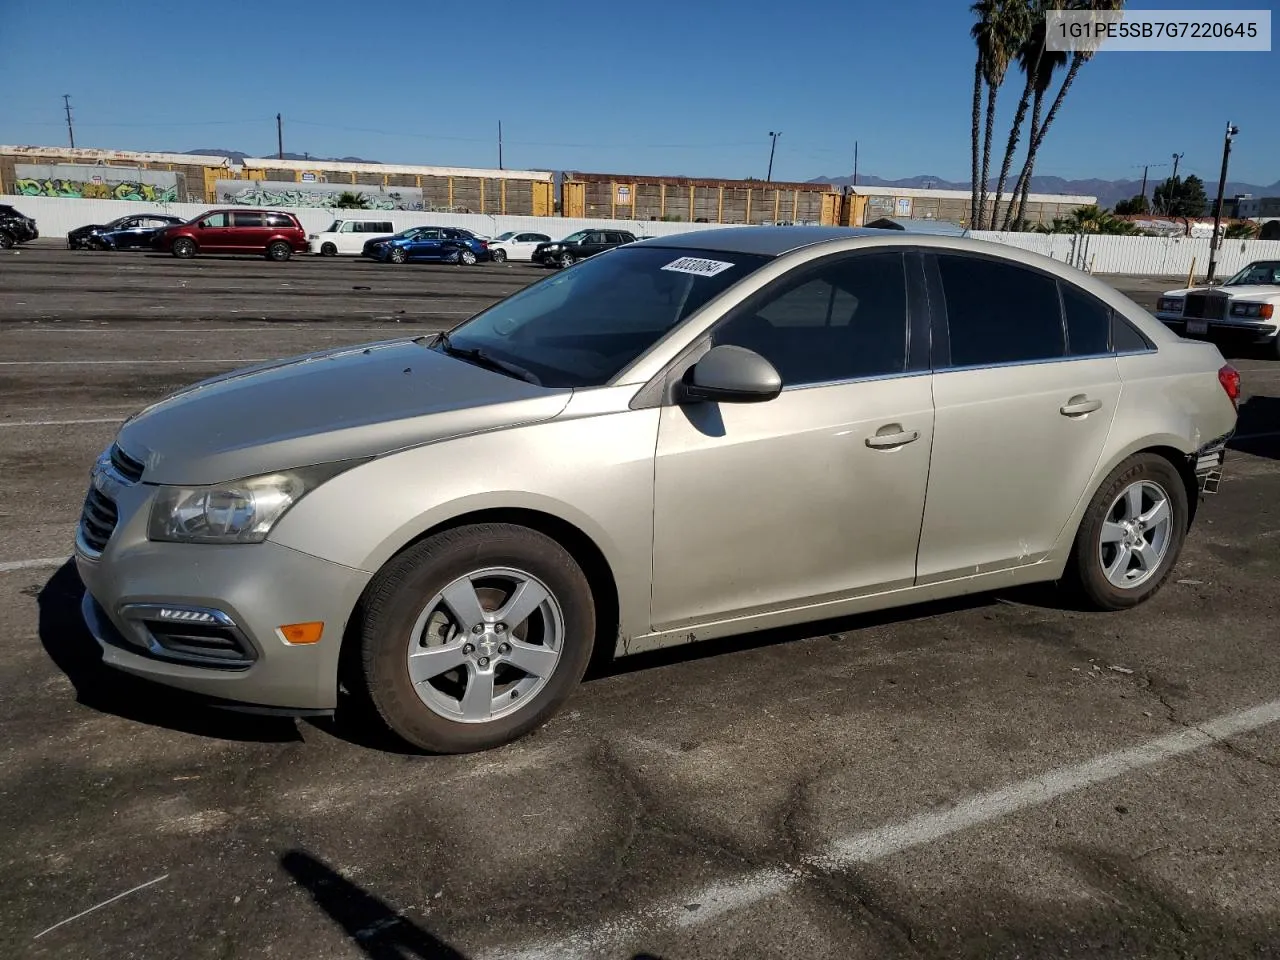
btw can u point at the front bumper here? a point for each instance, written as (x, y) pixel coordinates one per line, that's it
(206, 619)
(1228, 328)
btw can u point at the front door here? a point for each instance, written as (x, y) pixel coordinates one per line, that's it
(214, 233)
(426, 245)
(1023, 415)
(817, 494)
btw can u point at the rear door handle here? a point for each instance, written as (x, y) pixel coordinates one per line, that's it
(883, 440)
(1079, 406)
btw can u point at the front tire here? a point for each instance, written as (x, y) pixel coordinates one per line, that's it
(499, 256)
(567, 260)
(328, 250)
(397, 255)
(183, 248)
(1132, 534)
(475, 636)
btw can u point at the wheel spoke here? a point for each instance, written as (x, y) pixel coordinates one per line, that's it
(1133, 502)
(1145, 555)
(1112, 532)
(460, 597)
(534, 659)
(477, 701)
(429, 662)
(1116, 571)
(1157, 514)
(527, 598)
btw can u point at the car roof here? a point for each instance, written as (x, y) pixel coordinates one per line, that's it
(765, 241)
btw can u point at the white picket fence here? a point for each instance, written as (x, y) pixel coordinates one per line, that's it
(1145, 256)
(56, 216)
(1139, 256)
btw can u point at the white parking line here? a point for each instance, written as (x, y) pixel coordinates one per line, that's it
(58, 423)
(868, 846)
(12, 565)
(87, 363)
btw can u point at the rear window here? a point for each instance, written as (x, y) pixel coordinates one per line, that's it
(580, 327)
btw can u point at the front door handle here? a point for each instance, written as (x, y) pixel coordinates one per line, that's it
(1079, 406)
(902, 437)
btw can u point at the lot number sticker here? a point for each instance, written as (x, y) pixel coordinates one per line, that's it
(697, 266)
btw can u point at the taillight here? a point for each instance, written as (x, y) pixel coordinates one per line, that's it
(1229, 377)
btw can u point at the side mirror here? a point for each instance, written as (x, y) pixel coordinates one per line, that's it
(728, 374)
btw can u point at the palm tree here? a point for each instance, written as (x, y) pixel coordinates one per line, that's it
(349, 199)
(998, 33)
(1031, 54)
(982, 9)
(1078, 59)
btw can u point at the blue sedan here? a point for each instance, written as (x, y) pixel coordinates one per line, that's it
(448, 244)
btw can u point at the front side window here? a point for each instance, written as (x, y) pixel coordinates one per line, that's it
(840, 321)
(999, 312)
(214, 220)
(579, 328)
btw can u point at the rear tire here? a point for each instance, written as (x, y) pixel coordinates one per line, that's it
(183, 248)
(404, 614)
(279, 251)
(1131, 535)
(466, 257)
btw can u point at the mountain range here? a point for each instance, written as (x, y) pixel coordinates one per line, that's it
(1108, 192)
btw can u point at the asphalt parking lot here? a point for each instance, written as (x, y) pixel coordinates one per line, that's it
(1001, 776)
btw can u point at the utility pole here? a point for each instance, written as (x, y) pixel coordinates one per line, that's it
(66, 103)
(499, 144)
(1176, 158)
(773, 145)
(855, 163)
(1217, 210)
(1145, 168)
(279, 137)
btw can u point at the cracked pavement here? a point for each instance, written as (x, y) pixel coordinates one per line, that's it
(685, 803)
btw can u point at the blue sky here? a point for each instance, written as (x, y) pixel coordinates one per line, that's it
(666, 87)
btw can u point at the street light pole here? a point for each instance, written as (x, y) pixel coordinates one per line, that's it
(772, 146)
(1217, 209)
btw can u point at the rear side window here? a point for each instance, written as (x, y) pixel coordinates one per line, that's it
(280, 220)
(247, 219)
(999, 312)
(1088, 323)
(1125, 338)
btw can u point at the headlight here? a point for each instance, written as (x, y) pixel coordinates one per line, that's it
(1264, 310)
(1170, 305)
(242, 511)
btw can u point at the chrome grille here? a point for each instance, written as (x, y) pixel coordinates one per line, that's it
(128, 468)
(1203, 306)
(98, 520)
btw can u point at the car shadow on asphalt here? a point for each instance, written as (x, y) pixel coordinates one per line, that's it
(1258, 428)
(69, 645)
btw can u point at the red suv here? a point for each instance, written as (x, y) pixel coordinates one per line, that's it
(272, 233)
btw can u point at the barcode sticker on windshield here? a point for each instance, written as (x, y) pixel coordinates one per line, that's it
(698, 266)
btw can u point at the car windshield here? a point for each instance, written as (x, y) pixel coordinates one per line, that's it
(580, 327)
(575, 237)
(333, 227)
(505, 236)
(1264, 272)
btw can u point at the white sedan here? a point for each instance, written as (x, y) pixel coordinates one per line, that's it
(516, 245)
(1246, 307)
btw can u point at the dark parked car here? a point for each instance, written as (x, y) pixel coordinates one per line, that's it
(136, 231)
(271, 233)
(579, 246)
(451, 244)
(15, 227)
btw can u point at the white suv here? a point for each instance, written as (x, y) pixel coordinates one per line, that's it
(348, 236)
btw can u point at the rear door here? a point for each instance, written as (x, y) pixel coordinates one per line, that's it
(249, 231)
(1023, 415)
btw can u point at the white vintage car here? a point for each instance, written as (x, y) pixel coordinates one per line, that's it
(1245, 308)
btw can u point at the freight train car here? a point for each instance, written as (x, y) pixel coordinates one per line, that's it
(643, 197)
(92, 174)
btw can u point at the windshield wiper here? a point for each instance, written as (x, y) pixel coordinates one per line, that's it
(480, 358)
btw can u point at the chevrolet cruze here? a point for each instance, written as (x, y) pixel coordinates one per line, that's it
(679, 439)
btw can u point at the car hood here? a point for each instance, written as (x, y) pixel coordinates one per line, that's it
(1243, 292)
(333, 405)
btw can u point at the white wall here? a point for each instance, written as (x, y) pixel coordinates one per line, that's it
(56, 216)
(1146, 256)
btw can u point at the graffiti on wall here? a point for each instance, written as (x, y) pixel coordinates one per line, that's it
(287, 193)
(83, 181)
